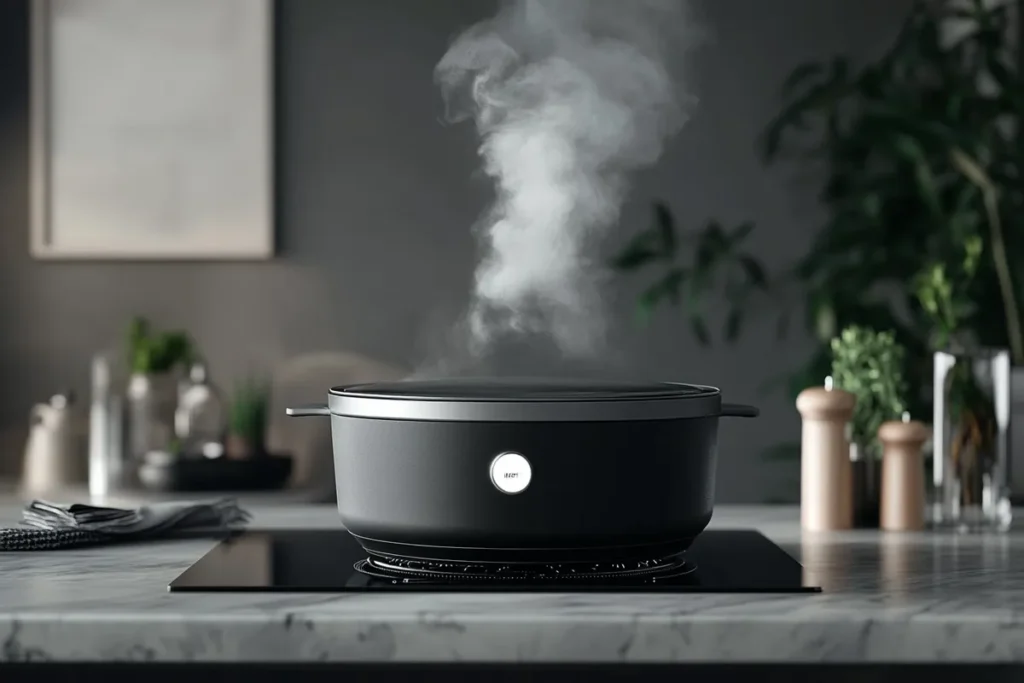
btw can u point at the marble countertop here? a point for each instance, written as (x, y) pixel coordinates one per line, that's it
(888, 598)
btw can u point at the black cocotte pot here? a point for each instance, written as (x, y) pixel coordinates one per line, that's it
(552, 471)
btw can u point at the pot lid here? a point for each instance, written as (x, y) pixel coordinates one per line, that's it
(524, 400)
(524, 389)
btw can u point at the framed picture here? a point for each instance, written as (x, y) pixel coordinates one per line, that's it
(152, 129)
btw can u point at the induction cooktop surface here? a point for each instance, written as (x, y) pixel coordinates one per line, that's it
(331, 561)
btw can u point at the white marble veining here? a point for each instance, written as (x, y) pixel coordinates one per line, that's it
(888, 598)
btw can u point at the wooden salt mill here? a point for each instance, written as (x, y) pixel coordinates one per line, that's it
(902, 474)
(826, 474)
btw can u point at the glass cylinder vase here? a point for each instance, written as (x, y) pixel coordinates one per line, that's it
(152, 400)
(971, 466)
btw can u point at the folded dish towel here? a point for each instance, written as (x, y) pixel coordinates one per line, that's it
(48, 526)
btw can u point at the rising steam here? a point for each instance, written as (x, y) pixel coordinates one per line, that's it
(569, 97)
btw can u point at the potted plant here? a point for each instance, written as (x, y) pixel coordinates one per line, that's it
(156, 360)
(869, 365)
(970, 383)
(247, 420)
(922, 165)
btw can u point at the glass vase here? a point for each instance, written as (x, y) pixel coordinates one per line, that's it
(152, 400)
(971, 466)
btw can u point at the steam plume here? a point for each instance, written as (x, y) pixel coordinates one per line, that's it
(569, 97)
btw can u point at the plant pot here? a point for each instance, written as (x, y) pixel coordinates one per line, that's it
(238, 447)
(867, 486)
(151, 400)
(971, 464)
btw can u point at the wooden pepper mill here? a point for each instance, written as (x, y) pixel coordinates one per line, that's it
(826, 474)
(902, 474)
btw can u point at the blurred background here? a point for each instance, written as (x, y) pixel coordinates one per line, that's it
(374, 198)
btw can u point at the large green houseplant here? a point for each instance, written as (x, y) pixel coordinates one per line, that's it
(924, 191)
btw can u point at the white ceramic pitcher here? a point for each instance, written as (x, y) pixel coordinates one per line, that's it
(51, 461)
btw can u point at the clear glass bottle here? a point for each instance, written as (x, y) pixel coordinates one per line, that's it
(971, 440)
(200, 421)
(106, 430)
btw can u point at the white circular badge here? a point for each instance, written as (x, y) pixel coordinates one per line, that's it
(511, 473)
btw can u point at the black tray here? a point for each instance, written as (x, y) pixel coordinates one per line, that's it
(261, 473)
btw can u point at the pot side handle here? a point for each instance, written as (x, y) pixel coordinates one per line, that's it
(739, 410)
(311, 410)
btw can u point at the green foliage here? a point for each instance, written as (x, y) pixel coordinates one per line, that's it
(249, 408)
(154, 353)
(941, 292)
(692, 264)
(869, 365)
(923, 184)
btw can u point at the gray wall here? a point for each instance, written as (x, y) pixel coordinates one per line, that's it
(376, 200)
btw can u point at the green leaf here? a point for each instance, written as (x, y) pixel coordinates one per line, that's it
(929, 191)
(249, 408)
(732, 325)
(654, 244)
(668, 287)
(820, 98)
(871, 205)
(740, 233)
(799, 75)
(634, 257)
(700, 329)
(754, 270)
(840, 68)
(666, 227)
(711, 245)
(824, 319)
(643, 312)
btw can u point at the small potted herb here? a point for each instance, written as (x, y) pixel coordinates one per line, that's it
(869, 365)
(247, 419)
(155, 360)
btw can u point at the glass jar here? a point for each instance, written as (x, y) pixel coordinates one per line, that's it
(970, 468)
(151, 402)
(201, 418)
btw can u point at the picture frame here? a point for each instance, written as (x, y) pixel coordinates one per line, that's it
(152, 130)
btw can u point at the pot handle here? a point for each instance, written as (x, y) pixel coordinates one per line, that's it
(311, 410)
(738, 410)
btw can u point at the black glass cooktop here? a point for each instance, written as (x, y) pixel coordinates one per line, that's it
(331, 561)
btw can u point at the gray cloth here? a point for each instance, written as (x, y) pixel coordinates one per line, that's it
(51, 526)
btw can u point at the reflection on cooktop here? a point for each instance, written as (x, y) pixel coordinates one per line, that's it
(323, 560)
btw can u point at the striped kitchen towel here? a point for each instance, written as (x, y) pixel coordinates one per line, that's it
(49, 526)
